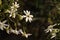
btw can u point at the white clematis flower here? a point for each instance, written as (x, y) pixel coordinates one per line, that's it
(3, 25)
(13, 10)
(50, 28)
(27, 16)
(24, 33)
(12, 13)
(15, 5)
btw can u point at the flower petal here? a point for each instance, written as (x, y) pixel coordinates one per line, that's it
(27, 19)
(14, 15)
(23, 16)
(30, 19)
(27, 12)
(24, 12)
(31, 16)
(4, 21)
(21, 31)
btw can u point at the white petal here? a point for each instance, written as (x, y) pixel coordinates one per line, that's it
(26, 35)
(31, 15)
(12, 30)
(50, 30)
(23, 16)
(47, 30)
(24, 11)
(54, 25)
(12, 3)
(29, 34)
(5, 24)
(27, 19)
(15, 2)
(1, 28)
(4, 21)
(12, 7)
(10, 15)
(14, 15)
(8, 31)
(27, 12)
(30, 19)
(53, 36)
(21, 31)
(8, 11)
(16, 32)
